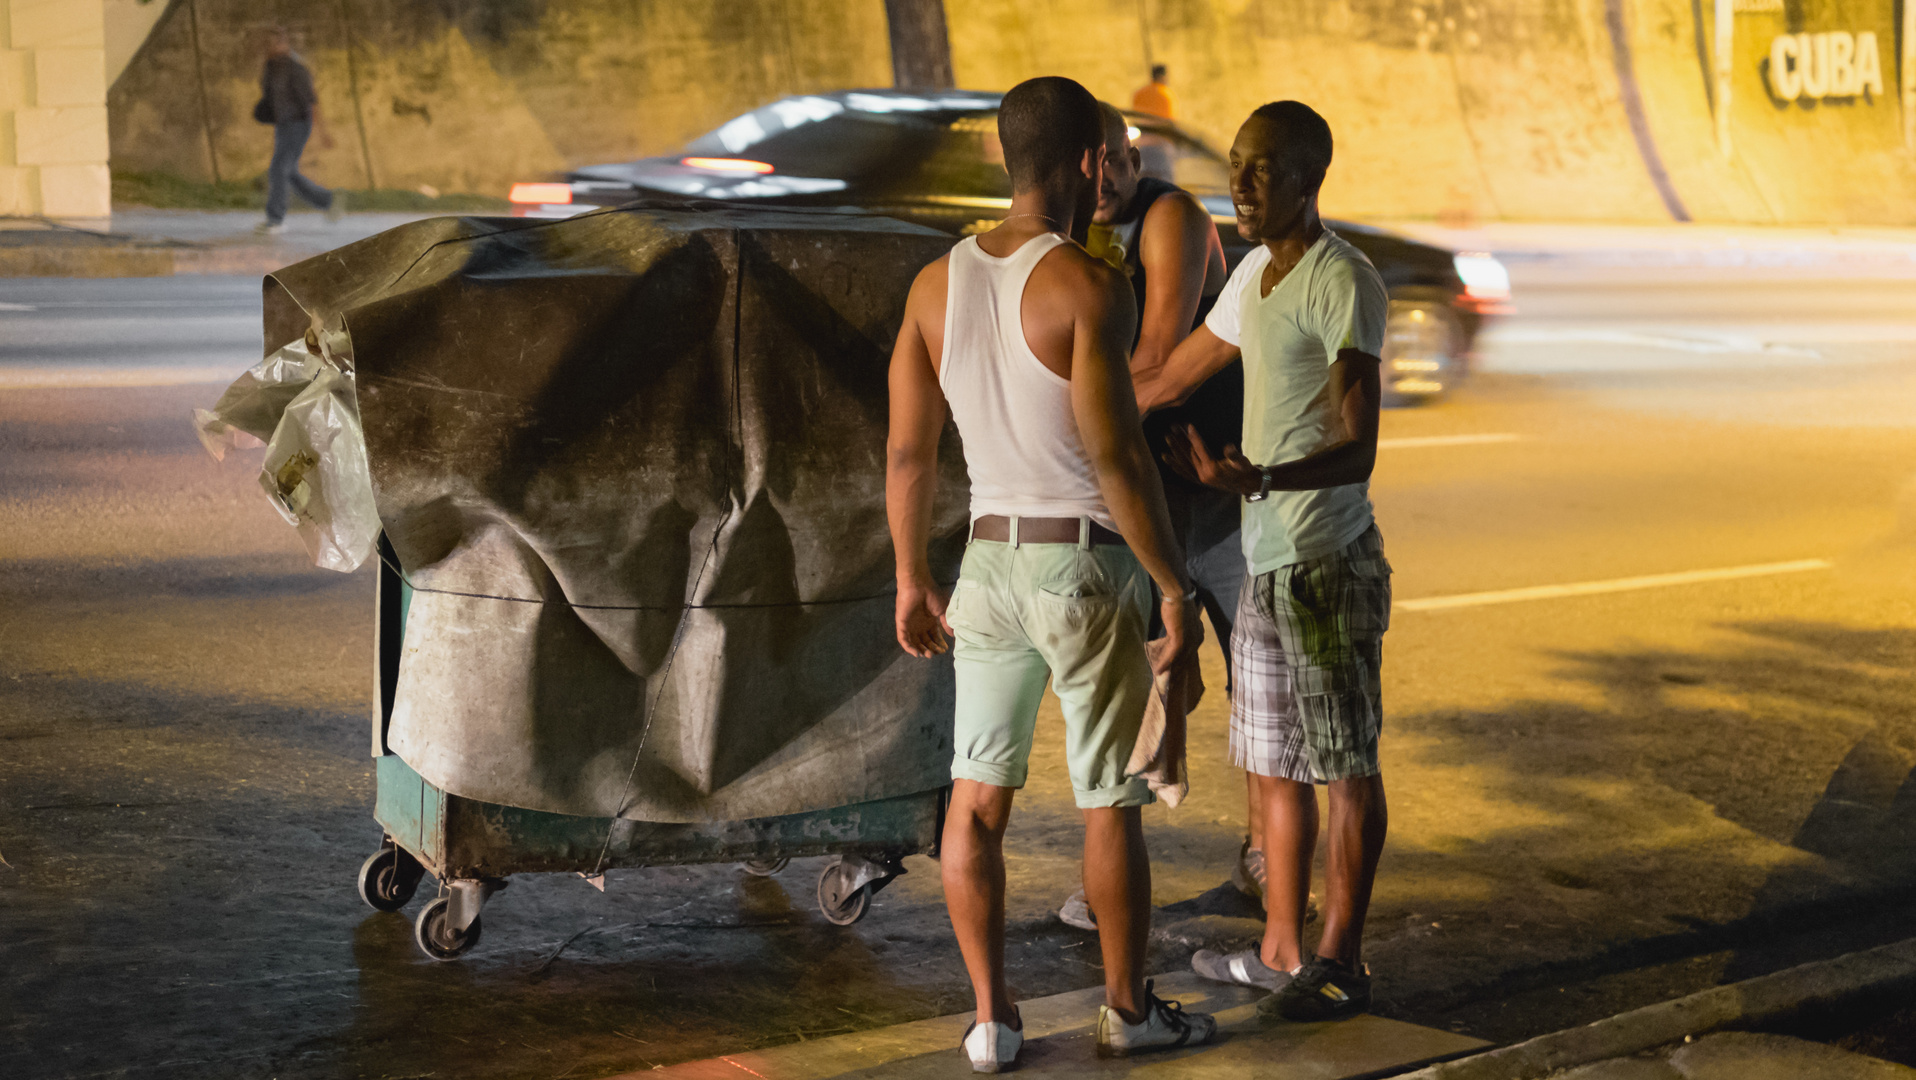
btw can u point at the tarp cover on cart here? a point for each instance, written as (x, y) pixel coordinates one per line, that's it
(632, 463)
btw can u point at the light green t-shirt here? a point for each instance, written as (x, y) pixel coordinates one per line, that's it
(1333, 299)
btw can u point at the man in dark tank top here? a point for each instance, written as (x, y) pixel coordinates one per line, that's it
(1176, 268)
(1171, 254)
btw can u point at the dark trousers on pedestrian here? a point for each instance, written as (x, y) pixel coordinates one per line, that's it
(283, 175)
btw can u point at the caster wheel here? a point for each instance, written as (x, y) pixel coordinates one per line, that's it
(438, 940)
(389, 878)
(840, 905)
(764, 867)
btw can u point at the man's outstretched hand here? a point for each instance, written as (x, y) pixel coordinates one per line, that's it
(1231, 471)
(921, 624)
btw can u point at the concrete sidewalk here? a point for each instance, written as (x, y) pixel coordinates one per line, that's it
(1061, 1042)
(1723, 1033)
(156, 243)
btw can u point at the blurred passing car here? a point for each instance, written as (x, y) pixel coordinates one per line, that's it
(933, 158)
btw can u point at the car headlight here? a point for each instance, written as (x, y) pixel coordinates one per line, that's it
(1486, 281)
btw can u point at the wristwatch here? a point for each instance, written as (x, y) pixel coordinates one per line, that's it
(1263, 485)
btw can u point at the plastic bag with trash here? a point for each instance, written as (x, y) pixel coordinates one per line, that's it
(302, 405)
(249, 410)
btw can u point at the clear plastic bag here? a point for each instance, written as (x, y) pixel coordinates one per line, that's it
(249, 410)
(315, 472)
(305, 410)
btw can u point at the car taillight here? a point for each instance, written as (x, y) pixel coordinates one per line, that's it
(1486, 281)
(543, 194)
(727, 164)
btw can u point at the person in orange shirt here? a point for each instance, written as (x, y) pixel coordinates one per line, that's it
(1154, 97)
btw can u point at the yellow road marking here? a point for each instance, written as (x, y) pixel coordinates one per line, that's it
(1415, 442)
(1591, 588)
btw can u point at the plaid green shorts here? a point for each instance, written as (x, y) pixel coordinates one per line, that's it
(1308, 653)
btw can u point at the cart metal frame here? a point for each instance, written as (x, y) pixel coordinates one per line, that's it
(472, 847)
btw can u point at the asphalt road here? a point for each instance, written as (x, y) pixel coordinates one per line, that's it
(126, 331)
(1651, 718)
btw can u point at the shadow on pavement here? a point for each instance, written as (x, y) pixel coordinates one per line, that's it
(1746, 810)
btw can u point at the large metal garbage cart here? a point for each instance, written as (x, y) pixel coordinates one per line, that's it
(634, 582)
(472, 846)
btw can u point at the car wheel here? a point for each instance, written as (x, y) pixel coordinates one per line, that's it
(1420, 352)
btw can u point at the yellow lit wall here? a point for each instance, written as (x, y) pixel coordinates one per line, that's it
(1510, 109)
(501, 93)
(53, 132)
(1601, 110)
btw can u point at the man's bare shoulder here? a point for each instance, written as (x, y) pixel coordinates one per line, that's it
(1069, 274)
(1178, 210)
(933, 274)
(929, 287)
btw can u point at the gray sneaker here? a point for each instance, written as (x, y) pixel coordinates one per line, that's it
(1077, 912)
(337, 208)
(1166, 1026)
(1239, 968)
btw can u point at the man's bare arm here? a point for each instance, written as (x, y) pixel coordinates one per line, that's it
(1196, 359)
(1356, 387)
(918, 413)
(1181, 255)
(1105, 406)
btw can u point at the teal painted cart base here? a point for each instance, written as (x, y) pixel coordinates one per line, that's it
(472, 847)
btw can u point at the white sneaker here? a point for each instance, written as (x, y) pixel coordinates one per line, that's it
(1166, 1026)
(270, 228)
(336, 209)
(1077, 912)
(992, 1046)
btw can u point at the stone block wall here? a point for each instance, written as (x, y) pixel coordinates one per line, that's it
(53, 116)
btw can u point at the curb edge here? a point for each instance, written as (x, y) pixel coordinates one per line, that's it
(1823, 983)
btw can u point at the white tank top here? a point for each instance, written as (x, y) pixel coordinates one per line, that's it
(1022, 446)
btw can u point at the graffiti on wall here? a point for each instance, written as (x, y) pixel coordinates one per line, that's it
(1837, 64)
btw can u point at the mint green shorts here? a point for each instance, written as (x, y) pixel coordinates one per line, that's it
(1072, 614)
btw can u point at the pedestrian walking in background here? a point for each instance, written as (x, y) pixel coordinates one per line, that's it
(1021, 338)
(1154, 97)
(1306, 312)
(288, 102)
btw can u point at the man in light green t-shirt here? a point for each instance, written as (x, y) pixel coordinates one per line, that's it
(1306, 310)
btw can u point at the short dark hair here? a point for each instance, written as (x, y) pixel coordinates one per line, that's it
(1045, 125)
(1304, 137)
(1158, 72)
(1116, 127)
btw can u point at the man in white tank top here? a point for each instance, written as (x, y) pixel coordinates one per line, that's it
(1022, 338)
